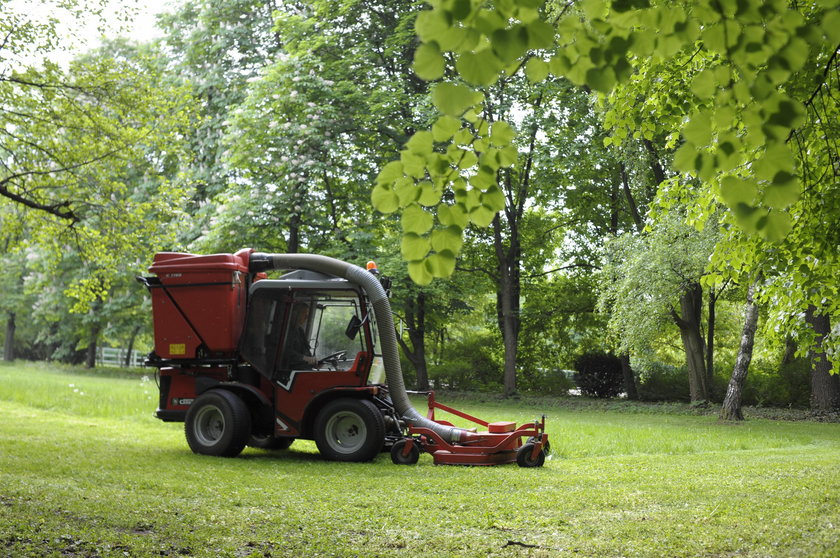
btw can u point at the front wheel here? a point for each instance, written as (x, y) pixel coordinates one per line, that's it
(349, 430)
(524, 456)
(217, 423)
(399, 456)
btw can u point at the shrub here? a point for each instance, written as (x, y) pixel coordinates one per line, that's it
(599, 375)
(468, 364)
(789, 386)
(546, 381)
(661, 382)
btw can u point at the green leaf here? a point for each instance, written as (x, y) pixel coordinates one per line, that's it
(622, 6)
(430, 24)
(428, 62)
(704, 84)
(416, 220)
(420, 143)
(441, 264)
(414, 246)
(698, 130)
(501, 134)
(783, 192)
(795, 54)
(466, 159)
(831, 26)
(601, 79)
(510, 44)
(493, 199)
(714, 38)
(413, 164)
(453, 215)
(449, 239)
(684, 158)
(536, 70)
(406, 191)
(482, 215)
(777, 157)
(507, 156)
(775, 226)
(540, 34)
(480, 68)
(461, 9)
(445, 127)
(483, 179)
(454, 99)
(384, 199)
(748, 216)
(390, 173)
(429, 194)
(729, 152)
(735, 190)
(420, 272)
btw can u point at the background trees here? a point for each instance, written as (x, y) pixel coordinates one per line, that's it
(656, 156)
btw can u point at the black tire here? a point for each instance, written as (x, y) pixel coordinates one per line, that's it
(269, 442)
(546, 445)
(524, 459)
(218, 423)
(397, 457)
(349, 430)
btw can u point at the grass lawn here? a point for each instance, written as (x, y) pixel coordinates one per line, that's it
(85, 470)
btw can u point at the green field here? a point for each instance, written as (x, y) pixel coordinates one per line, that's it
(85, 470)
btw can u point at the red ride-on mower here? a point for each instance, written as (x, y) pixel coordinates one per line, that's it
(244, 360)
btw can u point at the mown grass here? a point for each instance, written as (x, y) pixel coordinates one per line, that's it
(85, 470)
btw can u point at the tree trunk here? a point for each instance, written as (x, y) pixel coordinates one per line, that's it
(415, 319)
(731, 409)
(631, 201)
(710, 339)
(629, 377)
(507, 300)
(693, 344)
(130, 350)
(825, 386)
(9, 344)
(90, 353)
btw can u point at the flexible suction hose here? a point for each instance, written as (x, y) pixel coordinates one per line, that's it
(387, 334)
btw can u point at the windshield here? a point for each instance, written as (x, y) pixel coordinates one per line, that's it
(301, 330)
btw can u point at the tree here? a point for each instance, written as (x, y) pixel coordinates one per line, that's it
(69, 137)
(763, 69)
(653, 280)
(731, 408)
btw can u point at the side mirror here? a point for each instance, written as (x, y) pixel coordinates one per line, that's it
(353, 327)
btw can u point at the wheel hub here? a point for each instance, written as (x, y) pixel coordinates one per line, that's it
(346, 432)
(209, 425)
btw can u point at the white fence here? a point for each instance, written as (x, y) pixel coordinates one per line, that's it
(112, 356)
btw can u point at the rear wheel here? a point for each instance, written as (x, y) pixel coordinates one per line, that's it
(217, 423)
(349, 430)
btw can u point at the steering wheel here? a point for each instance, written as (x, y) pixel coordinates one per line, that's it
(333, 358)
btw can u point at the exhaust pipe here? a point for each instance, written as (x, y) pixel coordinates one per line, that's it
(385, 320)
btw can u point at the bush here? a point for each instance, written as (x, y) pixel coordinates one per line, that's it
(599, 375)
(661, 382)
(789, 386)
(468, 364)
(546, 381)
